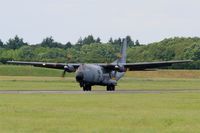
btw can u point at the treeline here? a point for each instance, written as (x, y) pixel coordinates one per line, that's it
(178, 48)
(88, 49)
(17, 42)
(92, 50)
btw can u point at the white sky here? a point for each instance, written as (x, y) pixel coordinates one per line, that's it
(68, 20)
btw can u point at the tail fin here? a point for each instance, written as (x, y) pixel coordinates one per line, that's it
(123, 52)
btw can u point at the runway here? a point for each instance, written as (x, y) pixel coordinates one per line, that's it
(96, 91)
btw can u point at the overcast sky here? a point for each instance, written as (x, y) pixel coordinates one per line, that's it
(68, 20)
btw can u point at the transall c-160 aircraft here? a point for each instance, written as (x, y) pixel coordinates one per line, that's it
(88, 75)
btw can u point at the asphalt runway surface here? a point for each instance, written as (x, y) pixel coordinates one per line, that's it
(95, 91)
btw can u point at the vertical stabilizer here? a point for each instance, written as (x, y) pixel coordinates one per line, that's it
(123, 52)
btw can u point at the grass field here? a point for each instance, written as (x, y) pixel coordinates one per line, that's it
(58, 113)
(69, 83)
(31, 78)
(148, 113)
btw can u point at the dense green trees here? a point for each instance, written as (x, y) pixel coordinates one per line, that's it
(97, 53)
(168, 49)
(1, 44)
(91, 50)
(15, 43)
(118, 42)
(49, 42)
(137, 43)
(88, 40)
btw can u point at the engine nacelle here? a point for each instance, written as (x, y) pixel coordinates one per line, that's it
(120, 68)
(69, 68)
(110, 82)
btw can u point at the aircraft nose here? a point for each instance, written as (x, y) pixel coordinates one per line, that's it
(79, 76)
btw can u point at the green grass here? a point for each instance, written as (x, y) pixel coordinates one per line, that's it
(32, 78)
(37, 83)
(69, 83)
(158, 84)
(14, 70)
(58, 113)
(146, 113)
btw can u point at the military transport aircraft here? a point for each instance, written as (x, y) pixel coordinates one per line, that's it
(88, 75)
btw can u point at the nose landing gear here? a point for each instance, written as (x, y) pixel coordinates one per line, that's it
(87, 87)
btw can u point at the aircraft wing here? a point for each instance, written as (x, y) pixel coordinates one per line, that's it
(151, 65)
(146, 65)
(129, 66)
(44, 64)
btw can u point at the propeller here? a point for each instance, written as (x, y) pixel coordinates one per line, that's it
(65, 70)
(63, 74)
(66, 67)
(117, 66)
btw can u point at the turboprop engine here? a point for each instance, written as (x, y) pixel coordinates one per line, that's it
(119, 68)
(68, 68)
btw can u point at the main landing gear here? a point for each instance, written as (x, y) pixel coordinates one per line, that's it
(110, 88)
(87, 87)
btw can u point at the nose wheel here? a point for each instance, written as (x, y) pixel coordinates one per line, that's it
(87, 88)
(110, 88)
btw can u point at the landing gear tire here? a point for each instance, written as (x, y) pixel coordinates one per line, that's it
(87, 88)
(110, 88)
